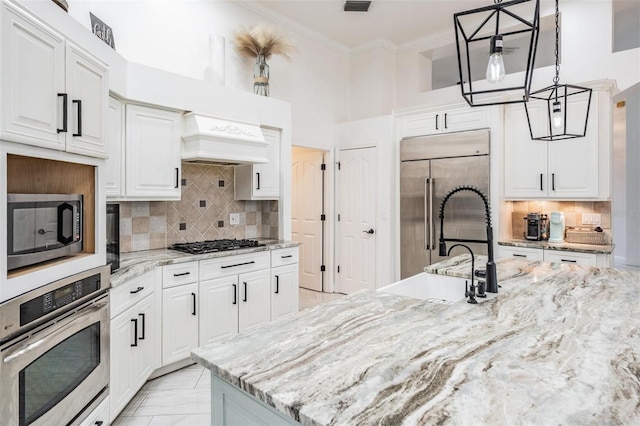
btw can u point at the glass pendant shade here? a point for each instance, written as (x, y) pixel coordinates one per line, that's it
(558, 112)
(488, 31)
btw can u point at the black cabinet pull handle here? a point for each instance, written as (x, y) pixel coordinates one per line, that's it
(258, 175)
(137, 290)
(193, 299)
(277, 284)
(445, 121)
(177, 173)
(135, 332)
(286, 257)
(553, 181)
(540, 181)
(437, 115)
(181, 274)
(235, 294)
(79, 102)
(245, 292)
(143, 326)
(65, 101)
(519, 255)
(237, 264)
(568, 260)
(99, 423)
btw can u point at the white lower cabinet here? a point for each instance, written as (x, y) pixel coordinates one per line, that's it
(232, 406)
(520, 253)
(134, 341)
(218, 309)
(254, 308)
(99, 416)
(179, 322)
(600, 260)
(284, 282)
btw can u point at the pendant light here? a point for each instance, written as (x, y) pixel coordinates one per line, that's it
(492, 28)
(548, 109)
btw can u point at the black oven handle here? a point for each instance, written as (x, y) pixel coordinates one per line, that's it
(79, 315)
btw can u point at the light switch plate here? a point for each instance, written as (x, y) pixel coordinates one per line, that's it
(234, 218)
(591, 219)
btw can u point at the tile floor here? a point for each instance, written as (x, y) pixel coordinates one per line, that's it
(182, 397)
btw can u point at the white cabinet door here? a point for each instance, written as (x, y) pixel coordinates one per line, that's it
(284, 290)
(444, 120)
(557, 256)
(121, 388)
(573, 163)
(520, 253)
(88, 90)
(33, 76)
(152, 153)
(254, 299)
(179, 322)
(114, 166)
(260, 181)
(218, 309)
(525, 160)
(144, 339)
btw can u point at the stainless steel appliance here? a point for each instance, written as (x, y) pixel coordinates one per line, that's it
(211, 246)
(54, 351)
(113, 236)
(536, 226)
(42, 227)
(430, 167)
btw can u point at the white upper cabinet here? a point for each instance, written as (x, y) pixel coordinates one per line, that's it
(564, 169)
(114, 167)
(54, 95)
(443, 120)
(149, 155)
(260, 181)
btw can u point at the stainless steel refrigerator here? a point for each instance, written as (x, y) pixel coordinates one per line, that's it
(430, 167)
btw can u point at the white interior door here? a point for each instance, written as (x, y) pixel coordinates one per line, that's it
(356, 227)
(306, 211)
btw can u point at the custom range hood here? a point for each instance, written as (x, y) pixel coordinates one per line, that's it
(214, 140)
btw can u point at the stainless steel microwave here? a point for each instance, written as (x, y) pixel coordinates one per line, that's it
(42, 227)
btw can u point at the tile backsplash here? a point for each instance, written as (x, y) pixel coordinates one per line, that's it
(201, 214)
(573, 211)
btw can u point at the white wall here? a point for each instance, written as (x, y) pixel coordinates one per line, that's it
(174, 36)
(372, 82)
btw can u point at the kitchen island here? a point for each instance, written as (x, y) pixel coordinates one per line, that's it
(559, 345)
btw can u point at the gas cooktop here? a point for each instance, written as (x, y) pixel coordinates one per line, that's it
(211, 246)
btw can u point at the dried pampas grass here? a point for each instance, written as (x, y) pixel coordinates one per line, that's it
(262, 40)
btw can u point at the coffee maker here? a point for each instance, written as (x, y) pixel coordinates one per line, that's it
(536, 226)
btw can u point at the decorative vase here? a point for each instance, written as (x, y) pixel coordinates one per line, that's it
(261, 76)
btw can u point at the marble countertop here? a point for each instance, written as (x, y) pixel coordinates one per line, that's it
(581, 248)
(137, 263)
(560, 344)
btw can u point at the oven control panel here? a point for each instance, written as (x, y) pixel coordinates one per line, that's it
(53, 300)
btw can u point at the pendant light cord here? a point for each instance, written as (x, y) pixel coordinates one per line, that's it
(556, 79)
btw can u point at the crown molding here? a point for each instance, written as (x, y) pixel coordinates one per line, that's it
(375, 44)
(278, 18)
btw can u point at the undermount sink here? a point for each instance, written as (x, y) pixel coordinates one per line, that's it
(438, 288)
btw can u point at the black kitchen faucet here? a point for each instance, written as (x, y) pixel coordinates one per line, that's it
(490, 274)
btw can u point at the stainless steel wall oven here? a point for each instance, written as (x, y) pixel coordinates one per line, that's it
(54, 351)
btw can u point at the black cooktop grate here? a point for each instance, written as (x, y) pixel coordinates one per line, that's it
(211, 246)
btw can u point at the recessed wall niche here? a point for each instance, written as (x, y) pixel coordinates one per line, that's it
(30, 175)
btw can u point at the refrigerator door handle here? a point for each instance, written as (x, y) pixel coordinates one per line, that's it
(428, 213)
(432, 245)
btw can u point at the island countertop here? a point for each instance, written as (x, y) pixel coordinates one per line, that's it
(559, 345)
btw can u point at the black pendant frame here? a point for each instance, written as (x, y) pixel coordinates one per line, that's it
(565, 94)
(560, 96)
(518, 93)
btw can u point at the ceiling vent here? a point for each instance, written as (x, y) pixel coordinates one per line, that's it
(356, 6)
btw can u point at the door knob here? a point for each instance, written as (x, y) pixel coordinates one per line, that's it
(370, 231)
